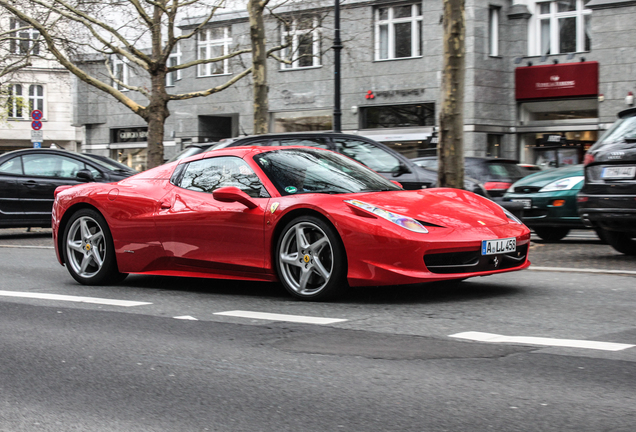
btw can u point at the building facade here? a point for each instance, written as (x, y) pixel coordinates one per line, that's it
(543, 79)
(44, 86)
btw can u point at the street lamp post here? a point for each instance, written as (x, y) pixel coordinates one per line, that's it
(337, 46)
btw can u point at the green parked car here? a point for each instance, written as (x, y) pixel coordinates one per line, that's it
(549, 201)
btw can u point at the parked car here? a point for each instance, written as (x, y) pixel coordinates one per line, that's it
(29, 177)
(549, 201)
(496, 174)
(310, 218)
(375, 155)
(607, 200)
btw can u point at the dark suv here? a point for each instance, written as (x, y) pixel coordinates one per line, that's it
(608, 197)
(375, 155)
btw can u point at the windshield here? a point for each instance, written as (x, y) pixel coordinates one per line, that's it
(624, 128)
(499, 170)
(295, 171)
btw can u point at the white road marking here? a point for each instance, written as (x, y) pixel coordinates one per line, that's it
(281, 317)
(575, 270)
(186, 317)
(94, 300)
(27, 247)
(528, 340)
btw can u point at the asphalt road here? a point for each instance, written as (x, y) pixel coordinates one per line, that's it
(392, 359)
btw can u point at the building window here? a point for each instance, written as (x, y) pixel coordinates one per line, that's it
(214, 43)
(394, 116)
(174, 60)
(24, 38)
(563, 27)
(299, 121)
(302, 37)
(493, 31)
(494, 146)
(397, 32)
(36, 98)
(121, 72)
(15, 101)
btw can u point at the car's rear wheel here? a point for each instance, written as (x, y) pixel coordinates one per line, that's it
(622, 242)
(311, 260)
(88, 248)
(551, 234)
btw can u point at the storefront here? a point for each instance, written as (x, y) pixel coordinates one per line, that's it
(557, 112)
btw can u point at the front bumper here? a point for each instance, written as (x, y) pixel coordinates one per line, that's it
(543, 212)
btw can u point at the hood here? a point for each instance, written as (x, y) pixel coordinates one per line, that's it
(544, 178)
(450, 208)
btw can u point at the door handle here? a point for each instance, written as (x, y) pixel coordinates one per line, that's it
(165, 205)
(30, 183)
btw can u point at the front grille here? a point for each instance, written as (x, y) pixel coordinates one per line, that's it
(473, 261)
(527, 189)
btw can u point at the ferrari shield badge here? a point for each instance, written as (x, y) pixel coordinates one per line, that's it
(274, 207)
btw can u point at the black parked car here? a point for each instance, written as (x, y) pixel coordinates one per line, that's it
(496, 174)
(375, 155)
(29, 177)
(608, 197)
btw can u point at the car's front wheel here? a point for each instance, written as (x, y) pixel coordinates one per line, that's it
(88, 248)
(622, 242)
(311, 260)
(551, 234)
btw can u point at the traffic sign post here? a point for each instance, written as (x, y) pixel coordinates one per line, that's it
(37, 136)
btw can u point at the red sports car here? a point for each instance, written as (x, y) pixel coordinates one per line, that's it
(312, 219)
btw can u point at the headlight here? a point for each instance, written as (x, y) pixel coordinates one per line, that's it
(512, 217)
(403, 221)
(563, 184)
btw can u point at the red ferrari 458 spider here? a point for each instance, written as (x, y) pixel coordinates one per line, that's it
(312, 219)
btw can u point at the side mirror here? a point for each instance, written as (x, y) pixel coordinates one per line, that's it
(85, 175)
(400, 169)
(233, 194)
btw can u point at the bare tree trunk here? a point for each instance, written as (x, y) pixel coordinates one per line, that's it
(451, 118)
(259, 65)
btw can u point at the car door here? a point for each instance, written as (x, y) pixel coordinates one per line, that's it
(378, 159)
(42, 174)
(200, 232)
(10, 206)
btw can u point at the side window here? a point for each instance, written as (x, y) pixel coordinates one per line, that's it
(51, 166)
(309, 142)
(366, 153)
(207, 175)
(12, 166)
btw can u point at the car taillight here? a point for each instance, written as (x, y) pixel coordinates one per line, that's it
(497, 185)
(589, 158)
(582, 199)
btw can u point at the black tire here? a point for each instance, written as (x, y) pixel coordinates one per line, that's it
(310, 259)
(89, 253)
(622, 242)
(551, 234)
(600, 232)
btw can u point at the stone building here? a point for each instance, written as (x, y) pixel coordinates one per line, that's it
(543, 79)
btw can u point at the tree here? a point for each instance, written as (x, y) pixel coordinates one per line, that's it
(259, 65)
(451, 119)
(141, 34)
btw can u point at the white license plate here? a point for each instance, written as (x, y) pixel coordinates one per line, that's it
(622, 172)
(527, 202)
(493, 247)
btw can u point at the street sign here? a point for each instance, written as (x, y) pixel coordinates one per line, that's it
(36, 124)
(36, 115)
(37, 145)
(37, 136)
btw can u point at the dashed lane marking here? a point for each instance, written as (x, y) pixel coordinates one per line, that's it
(26, 247)
(280, 317)
(59, 297)
(528, 340)
(575, 270)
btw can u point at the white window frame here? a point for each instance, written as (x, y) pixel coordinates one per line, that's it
(292, 53)
(493, 31)
(30, 36)
(553, 16)
(16, 110)
(390, 22)
(36, 101)
(173, 60)
(120, 63)
(205, 42)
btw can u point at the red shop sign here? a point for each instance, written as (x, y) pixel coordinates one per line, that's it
(557, 80)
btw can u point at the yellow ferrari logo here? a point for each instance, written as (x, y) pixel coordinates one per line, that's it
(88, 247)
(274, 207)
(306, 258)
